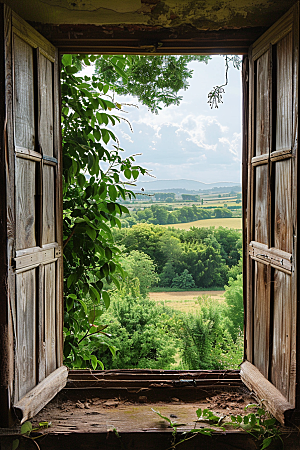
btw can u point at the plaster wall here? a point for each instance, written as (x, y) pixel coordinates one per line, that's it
(200, 14)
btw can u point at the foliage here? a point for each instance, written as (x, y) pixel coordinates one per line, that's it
(142, 332)
(183, 281)
(154, 79)
(160, 215)
(235, 304)
(260, 424)
(93, 170)
(206, 253)
(206, 342)
(139, 266)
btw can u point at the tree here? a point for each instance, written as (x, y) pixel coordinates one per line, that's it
(92, 184)
(183, 281)
(154, 79)
(235, 304)
(138, 265)
(143, 332)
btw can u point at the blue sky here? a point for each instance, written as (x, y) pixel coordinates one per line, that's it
(191, 140)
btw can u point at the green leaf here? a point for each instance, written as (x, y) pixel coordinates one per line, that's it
(15, 444)
(106, 299)
(94, 361)
(66, 60)
(127, 173)
(266, 443)
(26, 428)
(112, 192)
(199, 412)
(81, 179)
(94, 294)
(69, 303)
(91, 232)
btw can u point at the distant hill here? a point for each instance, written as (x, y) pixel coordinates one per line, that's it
(182, 185)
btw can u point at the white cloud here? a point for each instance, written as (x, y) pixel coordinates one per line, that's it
(234, 145)
(126, 136)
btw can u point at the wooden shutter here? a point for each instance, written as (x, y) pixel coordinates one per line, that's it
(33, 219)
(271, 242)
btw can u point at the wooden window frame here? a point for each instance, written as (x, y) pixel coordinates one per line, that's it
(175, 47)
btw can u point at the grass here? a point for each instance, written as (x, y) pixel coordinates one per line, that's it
(232, 222)
(202, 290)
(185, 301)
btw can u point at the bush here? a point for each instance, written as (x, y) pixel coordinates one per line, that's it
(143, 333)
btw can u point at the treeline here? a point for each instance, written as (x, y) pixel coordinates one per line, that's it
(184, 259)
(161, 215)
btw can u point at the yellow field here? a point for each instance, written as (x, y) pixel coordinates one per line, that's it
(232, 222)
(185, 301)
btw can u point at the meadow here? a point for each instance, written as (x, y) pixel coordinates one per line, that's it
(185, 301)
(232, 222)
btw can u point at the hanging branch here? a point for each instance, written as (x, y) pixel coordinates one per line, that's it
(215, 96)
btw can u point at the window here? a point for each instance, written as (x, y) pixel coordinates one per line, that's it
(31, 262)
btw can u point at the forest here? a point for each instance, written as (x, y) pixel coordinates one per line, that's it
(163, 215)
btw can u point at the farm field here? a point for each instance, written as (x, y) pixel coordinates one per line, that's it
(232, 222)
(184, 301)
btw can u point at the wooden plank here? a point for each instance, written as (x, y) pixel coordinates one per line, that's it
(295, 371)
(23, 95)
(49, 317)
(7, 281)
(261, 204)
(26, 331)
(114, 39)
(263, 105)
(58, 210)
(39, 257)
(284, 113)
(39, 396)
(31, 36)
(45, 124)
(283, 232)
(274, 34)
(259, 160)
(49, 228)
(273, 256)
(27, 154)
(248, 351)
(274, 401)
(25, 203)
(279, 155)
(261, 318)
(41, 350)
(29, 251)
(282, 336)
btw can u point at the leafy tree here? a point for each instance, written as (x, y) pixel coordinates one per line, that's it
(92, 183)
(154, 79)
(235, 304)
(183, 281)
(222, 212)
(143, 333)
(167, 275)
(138, 265)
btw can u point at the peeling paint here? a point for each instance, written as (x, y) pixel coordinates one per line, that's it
(200, 14)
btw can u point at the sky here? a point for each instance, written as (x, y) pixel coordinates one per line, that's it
(189, 141)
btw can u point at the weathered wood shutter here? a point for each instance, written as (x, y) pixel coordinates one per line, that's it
(33, 218)
(271, 242)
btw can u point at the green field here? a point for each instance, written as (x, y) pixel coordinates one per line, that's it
(233, 222)
(185, 301)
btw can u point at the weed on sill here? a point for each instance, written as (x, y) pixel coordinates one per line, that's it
(28, 432)
(259, 424)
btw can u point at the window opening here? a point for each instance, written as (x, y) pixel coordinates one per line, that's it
(131, 303)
